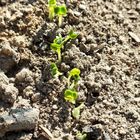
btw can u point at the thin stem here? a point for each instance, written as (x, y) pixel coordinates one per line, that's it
(66, 39)
(59, 55)
(69, 81)
(60, 18)
(72, 85)
(51, 12)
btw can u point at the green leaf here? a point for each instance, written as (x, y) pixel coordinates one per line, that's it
(72, 34)
(74, 71)
(52, 2)
(76, 111)
(58, 39)
(75, 74)
(60, 10)
(54, 70)
(81, 136)
(70, 95)
(55, 46)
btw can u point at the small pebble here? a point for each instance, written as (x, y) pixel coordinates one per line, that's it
(138, 6)
(36, 97)
(134, 36)
(55, 107)
(82, 7)
(122, 131)
(78, 14)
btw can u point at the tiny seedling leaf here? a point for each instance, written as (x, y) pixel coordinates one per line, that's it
(57, 48)
(51, 6)
(54, 70)
(58, 40)
(61, 10)
(70, 95)
(52, 2)
(72, 34)
(74, 74)
(76, 111)
(81, 136)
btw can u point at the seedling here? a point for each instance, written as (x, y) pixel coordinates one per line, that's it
(76, 111)
(54, 70)
(71, 35)
(52, 5)
(58, 42)
(60, 11)
(74, 75)
(57, 46)
(81, 136)
(70, 95)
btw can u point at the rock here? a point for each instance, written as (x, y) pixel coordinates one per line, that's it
(78, 14)
(24, 78)
(82, 7)
(122, 131)
(138, 6)
(28, 92)
(18, 119)
(3, 78)
(20, 41)
(89, 39)
(36, 97)
(134, 36)
(8, 56)
(8, 93)
(106, 136)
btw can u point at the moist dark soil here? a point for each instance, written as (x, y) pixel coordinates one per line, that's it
(107, 52)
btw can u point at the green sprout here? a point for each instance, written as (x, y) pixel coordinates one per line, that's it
(74, 74)
(60, 11)
(81, 136)
(70, 95)
(52, 5)
(54, 70)
(71, 35)
(57, 45)
(76, 111)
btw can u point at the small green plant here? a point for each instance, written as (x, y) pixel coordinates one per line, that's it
(70, 95)
(52, 5)
(58, 42)
(74, 76)
(54, 70)
(81, 136)
(60, 11)
(57, 45)
(71, 35)
(76, 111)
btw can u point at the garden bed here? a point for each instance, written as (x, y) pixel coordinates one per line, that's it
(106, 51)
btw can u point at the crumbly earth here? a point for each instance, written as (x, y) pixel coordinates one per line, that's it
(107, 51)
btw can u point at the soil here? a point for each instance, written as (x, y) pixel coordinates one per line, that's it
(107, 51)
